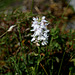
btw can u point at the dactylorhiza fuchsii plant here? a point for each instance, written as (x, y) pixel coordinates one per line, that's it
(40, 35)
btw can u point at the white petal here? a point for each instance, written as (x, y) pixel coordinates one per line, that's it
(39, 38)
(43, 38)
(46, 31)
(42, 43)
(43, 21)
(46, 24)
(34, 18)
(32, 39)
(32, 30)
(43, 17)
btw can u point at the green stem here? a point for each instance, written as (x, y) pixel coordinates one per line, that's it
(39, 49)
(32, 6)
(20, 36)
(37, 66)
(61, 63)
(50, 45)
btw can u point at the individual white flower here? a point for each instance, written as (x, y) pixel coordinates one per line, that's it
(40, 31)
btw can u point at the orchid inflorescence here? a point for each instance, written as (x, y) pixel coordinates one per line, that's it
(40, 30)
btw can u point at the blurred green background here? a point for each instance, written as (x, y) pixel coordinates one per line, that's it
(4, 4)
